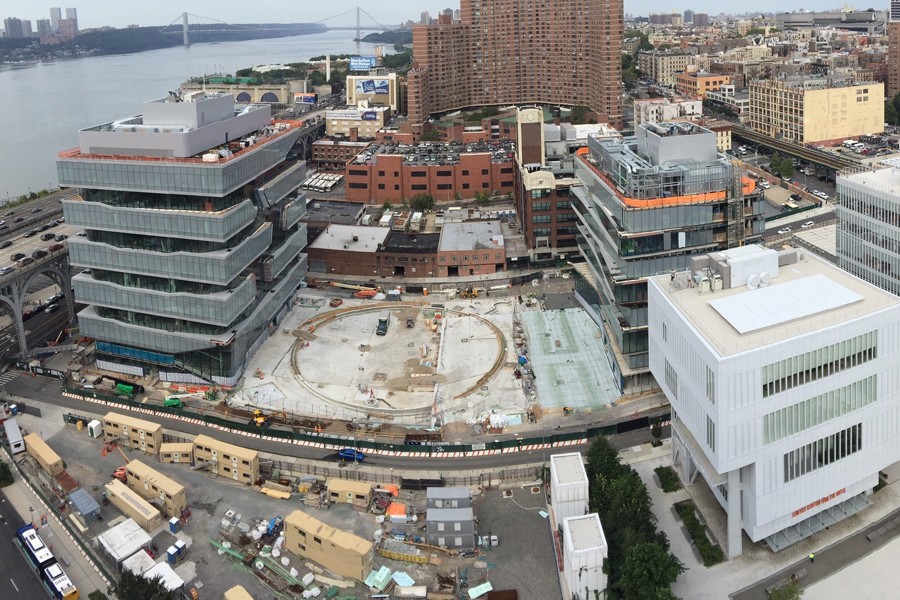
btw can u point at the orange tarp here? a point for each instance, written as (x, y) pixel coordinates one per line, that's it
(396, 509)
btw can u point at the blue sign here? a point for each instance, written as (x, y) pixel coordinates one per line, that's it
(370, 115)
(362, 63)
(373, 86)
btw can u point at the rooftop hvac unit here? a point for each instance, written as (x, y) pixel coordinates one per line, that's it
(716, 282)
(704, 285)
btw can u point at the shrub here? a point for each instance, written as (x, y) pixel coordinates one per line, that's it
(668, 479)
(6, 477)
(712, 555)
(97, 595)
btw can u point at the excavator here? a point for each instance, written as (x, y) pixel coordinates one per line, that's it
(469, 292)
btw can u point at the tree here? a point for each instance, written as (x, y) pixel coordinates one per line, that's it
(6, 477)
(890, 114)
(789, 591)
(430, 136)
(422, 202)
(136, 587)
(649, 569)
(482, 196)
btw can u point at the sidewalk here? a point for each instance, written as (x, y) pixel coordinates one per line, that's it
(80, 569)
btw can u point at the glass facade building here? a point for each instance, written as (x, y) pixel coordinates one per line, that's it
(191, 251)
(646, 204)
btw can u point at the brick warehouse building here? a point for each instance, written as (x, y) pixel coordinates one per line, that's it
(519, 51)
(447, 173)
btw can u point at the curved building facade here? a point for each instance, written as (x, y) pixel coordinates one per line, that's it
(192, 240)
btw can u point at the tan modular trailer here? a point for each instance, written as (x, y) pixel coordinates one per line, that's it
(227, 460)
(134, 433)
(155, 487)
(340, 552)
(132, 505)
(357, 493)
(43, 454)
(176, 452)
(237, 593)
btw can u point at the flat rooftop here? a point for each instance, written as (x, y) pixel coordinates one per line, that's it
(885, 180)
(795, 296)
(331, 211)
(437, 153)
(585, 533)
(412, 243)
(568, 469)
(341, 237)
(471, 235)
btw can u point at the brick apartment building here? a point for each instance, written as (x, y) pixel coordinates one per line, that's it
(510, 52)
(331, 154)
(383, 174)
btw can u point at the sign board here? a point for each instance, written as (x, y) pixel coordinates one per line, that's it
(347, 115)
(370, 115)
(373, 86)
(362, 63)
(305, 98)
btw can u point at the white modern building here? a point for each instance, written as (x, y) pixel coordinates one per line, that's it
(584, 550)
(568, 486)
(782, 371)
(868, 231)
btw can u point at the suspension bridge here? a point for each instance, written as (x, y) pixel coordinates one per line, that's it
(332, 23)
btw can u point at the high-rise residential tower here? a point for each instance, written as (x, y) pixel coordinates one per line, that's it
(193, 235)
(55, 18)
(893, 27)
(503, 52)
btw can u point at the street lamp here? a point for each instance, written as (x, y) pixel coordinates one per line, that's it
(31, 510)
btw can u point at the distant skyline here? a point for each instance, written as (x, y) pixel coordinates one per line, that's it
(97, 13)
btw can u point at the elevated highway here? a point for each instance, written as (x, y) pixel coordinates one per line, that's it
(819, 158)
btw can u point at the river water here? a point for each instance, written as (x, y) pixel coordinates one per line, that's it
(43, 106)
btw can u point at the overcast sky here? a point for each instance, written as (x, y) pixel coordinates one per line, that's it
(94, 13)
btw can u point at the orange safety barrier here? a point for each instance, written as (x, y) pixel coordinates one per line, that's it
(748, 185)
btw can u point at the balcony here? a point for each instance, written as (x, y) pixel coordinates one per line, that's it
(220, 308)
(216, 268)
(209, 226)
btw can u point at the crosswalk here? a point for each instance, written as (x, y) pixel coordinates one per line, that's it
(7, 377)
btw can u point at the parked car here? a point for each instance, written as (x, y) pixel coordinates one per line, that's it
(351, 454)
(16, 256)
(51, 307)
(6, 243)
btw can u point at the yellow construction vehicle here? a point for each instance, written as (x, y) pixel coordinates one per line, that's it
(469, 292)
(259, 419)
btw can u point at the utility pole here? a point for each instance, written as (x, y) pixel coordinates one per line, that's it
(184, 29)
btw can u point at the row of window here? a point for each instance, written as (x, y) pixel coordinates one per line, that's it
(822, 362)
(822, 452)
(819, 409)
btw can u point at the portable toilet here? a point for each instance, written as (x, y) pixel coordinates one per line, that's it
(172, 555)
(95, 429)
(174, 525)
(181, 547)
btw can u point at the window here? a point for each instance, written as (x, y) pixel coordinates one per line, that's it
(457, 527)
(419, 186)
(380, 186)
(485, 185)
(819, 409)
(445, 186)
(822, 452)
(444, 173)
(540, 206)
(381, 173)
(465, 172)
(362, 172)
(672, 380)
(440, 526)
(506, 170)
(506, 184)
(710, 434)
(540, 218)
(465, 186)
(822, 362)
(710, 385)
(317, 540)
(358, 186)
(484, 171)
(418, 174)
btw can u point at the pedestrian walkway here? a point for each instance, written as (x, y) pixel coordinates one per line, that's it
(80, 569)
(7, 377)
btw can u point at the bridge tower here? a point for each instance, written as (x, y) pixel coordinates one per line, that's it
(358, 33)
(184, 29)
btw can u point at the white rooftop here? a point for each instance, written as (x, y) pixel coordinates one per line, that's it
(471, 235)
(804, 313)
(886, 180)
(568, 469)
(768, 306)
(167, 575)
(584, 534)
(138, 563)
(341, 237)
(124, 539)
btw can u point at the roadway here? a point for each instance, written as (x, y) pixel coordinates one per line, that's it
(49, 390)
(23, 583)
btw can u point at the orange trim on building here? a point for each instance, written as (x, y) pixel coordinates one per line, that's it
(748, 187)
